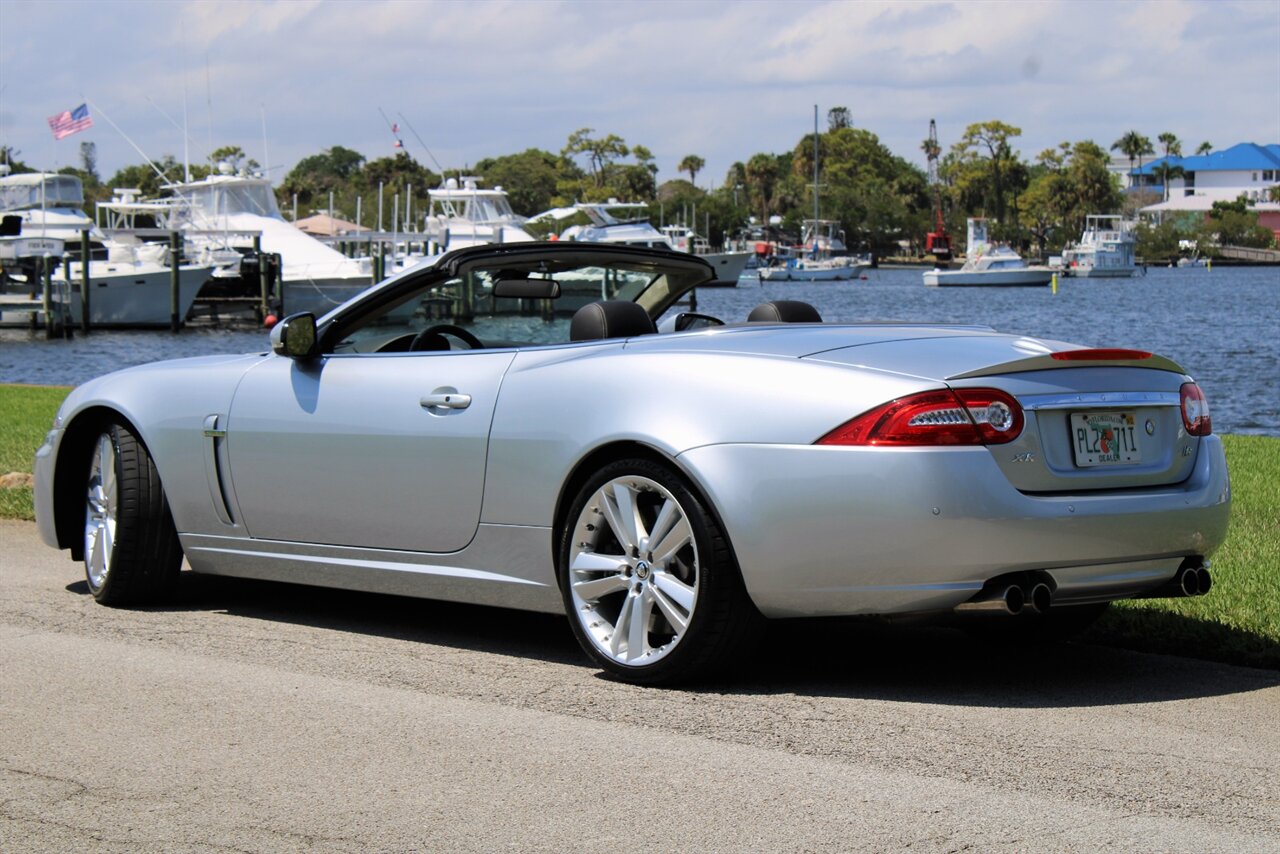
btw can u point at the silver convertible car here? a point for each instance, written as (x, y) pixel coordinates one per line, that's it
(666, 479)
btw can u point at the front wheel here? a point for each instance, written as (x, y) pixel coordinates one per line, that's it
(131, 549)
(649, 582)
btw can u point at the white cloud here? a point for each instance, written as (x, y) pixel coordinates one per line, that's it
(720, 79)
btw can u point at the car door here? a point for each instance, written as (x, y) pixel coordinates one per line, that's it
(379, 451)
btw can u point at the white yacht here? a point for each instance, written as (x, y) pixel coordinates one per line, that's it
(988, 266)
(227, 211)
(815, 259)
(729, 265)
(316, 277)
(463, 215)
(131, 287)
(608, 222)
(1106, 250)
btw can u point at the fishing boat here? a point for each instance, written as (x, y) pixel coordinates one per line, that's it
(229, 211)
(463, 214)
(1105, 250)
(988, 266)
(130, 287)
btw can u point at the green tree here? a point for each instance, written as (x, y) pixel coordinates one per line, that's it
(761, 172)
(600, 153)
(878, 198)
(9, 155)
(693, 164)
(1166, 171)
(986, 170)
(1133, 145)
(530, 178)
(1204, 147)
(838, 118)
(1235, 223)
(235, 157)
(313, 177)
(1171, 144)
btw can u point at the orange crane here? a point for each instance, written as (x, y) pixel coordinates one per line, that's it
(936, 243)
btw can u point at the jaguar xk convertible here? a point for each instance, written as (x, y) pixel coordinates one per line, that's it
(667, 480)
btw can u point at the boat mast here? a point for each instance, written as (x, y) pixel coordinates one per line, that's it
(815, 169)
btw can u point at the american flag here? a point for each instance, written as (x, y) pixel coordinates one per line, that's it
(70, 121)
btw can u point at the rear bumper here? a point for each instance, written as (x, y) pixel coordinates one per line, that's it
(833, 531)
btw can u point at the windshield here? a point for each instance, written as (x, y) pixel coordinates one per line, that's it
(51, 191)
(215, 200)
(467, 300)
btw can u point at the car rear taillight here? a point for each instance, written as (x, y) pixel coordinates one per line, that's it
(1101, 354)
(971, 416)
(1195, 411)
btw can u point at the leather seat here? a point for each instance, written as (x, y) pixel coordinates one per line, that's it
(610, 319)
(784, 311)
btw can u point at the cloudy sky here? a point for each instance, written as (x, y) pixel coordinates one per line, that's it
(722, 80)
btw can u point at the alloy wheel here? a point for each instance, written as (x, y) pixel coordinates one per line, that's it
(100, 512)
(633, 570)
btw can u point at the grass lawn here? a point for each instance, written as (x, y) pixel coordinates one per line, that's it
(26, 414)
(1238, 622)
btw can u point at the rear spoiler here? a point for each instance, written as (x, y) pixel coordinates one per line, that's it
(1081, 357)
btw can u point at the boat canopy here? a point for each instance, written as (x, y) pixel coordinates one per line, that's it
(40, 189)
(217, 197)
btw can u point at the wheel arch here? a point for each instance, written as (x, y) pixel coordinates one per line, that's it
(74, 452)
(602, 456)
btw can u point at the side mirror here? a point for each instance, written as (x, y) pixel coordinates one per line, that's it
(295, 336)
(688, 320)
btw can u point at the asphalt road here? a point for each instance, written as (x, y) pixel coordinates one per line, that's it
(252, 716)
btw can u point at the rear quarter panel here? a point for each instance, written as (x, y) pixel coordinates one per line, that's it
(557, 406)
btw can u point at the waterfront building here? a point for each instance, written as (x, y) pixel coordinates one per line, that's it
(1246, 169)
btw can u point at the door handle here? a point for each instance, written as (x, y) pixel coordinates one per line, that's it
(446, 400)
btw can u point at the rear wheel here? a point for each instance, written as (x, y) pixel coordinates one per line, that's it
(131, 549)
(649, 583)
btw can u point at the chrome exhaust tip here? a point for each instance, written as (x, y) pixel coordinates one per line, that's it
(1007, 600)
(1204, 581)
(1189, 581)
(1041, 598)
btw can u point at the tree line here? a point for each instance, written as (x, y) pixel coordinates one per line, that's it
(883, 202)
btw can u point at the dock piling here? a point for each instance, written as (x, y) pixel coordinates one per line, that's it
(84, 281)
(175, 271)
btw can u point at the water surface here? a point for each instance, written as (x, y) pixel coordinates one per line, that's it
(1220, 325)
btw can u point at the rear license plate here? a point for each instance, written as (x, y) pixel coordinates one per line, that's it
(1105, 438)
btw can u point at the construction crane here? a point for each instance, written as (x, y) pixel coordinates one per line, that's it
(936, 243)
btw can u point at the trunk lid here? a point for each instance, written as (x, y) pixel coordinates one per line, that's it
(1102, 424)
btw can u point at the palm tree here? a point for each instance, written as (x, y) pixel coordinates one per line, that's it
(1133, 145)
(692, 164)
(762, 173)
(1172, 145)
(1204, 147)
(1164, 172)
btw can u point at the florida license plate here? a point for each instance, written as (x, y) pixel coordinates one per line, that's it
(1105, 438)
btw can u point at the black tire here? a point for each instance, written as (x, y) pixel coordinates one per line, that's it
(722, 622)
(137, 559)
(1060, 624)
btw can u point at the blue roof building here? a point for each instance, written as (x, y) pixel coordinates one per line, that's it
(1247, 168)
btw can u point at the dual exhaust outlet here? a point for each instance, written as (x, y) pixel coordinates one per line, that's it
(1013, 595)
(1191, 579)
(1009, 599)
